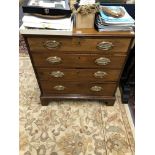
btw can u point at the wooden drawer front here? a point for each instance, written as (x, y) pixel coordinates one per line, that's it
(78, 44)
(78, 61)
(106, 89)
(58, 74)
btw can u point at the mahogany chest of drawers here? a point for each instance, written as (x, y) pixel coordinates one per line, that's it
(86, 65)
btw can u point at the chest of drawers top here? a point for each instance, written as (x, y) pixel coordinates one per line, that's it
(87, 40)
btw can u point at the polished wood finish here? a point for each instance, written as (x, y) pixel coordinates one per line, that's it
(86, 75)
(78, 45)
(78, 88)
(92, 32)
(78, 60)
(65, 66)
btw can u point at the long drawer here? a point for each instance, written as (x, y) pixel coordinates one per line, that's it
(78, 60)
(104, 89)
(59, 74)
(78, 44)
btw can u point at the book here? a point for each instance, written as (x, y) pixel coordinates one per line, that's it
(104, 22)
(116, 28)
(112, 20)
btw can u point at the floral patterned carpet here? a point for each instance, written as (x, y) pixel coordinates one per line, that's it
(22, 45)
(69, 127)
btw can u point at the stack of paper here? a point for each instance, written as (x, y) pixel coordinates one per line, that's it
(38, 22)
(108, 23)
(37, 25)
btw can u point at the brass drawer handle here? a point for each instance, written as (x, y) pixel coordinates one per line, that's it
(104, 46)
(59, 87)
(102, 61)
(96, 88)
(54, 60)
(51, 44)
(100, 74)
(57, 74)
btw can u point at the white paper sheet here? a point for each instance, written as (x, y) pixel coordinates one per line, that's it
(85, 2)
(37, 22)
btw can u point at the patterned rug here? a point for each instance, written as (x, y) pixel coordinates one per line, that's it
(70, 127)
(22, 45)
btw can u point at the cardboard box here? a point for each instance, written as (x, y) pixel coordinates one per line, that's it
(85, 21)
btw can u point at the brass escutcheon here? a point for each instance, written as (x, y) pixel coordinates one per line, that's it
(52, 44)
(100, 74)
(54, 60)
(59, 87)
(104, 46)
(57, 74)
(102, 61)
(96, 88)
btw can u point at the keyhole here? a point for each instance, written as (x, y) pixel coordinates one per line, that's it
(79, 43)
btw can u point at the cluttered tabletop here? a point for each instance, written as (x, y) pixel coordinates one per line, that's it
(82, 17)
